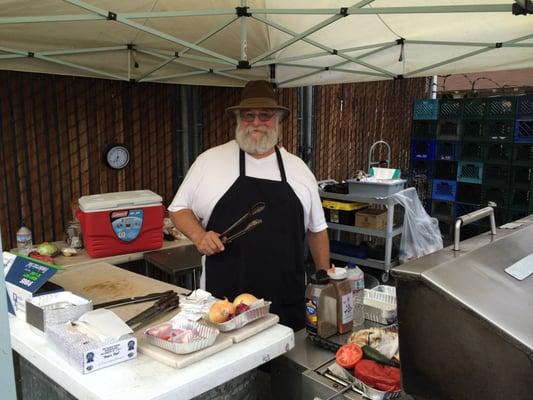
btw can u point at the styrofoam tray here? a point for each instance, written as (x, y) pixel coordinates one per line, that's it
(245, 318)
(205, 338)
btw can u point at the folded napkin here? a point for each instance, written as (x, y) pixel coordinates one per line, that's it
(196, 305)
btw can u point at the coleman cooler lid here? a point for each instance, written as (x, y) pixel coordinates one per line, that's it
(117, 200)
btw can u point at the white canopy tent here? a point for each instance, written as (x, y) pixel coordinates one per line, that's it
(294, 43)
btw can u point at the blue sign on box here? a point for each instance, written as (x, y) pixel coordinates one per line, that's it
(25, 276)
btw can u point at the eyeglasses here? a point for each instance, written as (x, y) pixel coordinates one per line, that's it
(263, 116)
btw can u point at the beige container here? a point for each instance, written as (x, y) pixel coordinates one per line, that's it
(320, 306)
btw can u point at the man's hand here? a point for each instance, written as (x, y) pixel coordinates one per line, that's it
(209, 243)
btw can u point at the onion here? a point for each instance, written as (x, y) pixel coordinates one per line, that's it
(245, 298)
(221, 311)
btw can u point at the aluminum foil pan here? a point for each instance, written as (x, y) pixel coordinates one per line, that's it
(371, 393)
(243, 319)
(55, 308)
(206, 337)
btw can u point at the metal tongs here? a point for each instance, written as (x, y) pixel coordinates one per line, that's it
(255, 209)
(165, 304)
(132, 300)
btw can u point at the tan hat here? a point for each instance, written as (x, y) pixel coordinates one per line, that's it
(258, 94)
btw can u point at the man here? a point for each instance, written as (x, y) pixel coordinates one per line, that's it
(226, 181)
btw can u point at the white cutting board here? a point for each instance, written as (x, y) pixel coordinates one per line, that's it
(181, 360)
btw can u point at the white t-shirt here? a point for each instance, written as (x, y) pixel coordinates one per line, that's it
(216, 169)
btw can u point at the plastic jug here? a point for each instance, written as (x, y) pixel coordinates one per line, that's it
(356, 277)
(24, 240)
(343, 290)
(320, 306)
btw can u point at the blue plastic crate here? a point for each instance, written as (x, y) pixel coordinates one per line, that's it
(470, 193)
(451, 109)
(424, 129)
(499, 130)
(444, 190)
(423, 149)
(473, 130)
(523, 154)
(446, 170)
(448, 130)
(422, 170)
(472, 151)
(501, 107)
(470, 172)
(426, 109)
(524, 107)
(523, 131)
(499, 153)
(447, 150)
(474, 108)
(496, 174)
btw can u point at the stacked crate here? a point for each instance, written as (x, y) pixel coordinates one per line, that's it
(477, 152)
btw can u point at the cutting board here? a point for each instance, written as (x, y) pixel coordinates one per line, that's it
(181, 360)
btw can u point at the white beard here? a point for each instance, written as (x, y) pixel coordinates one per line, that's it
(252, 146)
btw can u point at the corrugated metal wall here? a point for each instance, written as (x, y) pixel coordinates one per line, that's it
(53, 131)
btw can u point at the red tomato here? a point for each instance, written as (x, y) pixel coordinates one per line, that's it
(348, 355)
(381, 377)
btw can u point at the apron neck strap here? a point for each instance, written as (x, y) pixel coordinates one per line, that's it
(280, 165)
(242, 164)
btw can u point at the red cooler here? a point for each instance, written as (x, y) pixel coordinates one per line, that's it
(121, 222)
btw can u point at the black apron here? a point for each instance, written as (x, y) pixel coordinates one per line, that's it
(267, 261)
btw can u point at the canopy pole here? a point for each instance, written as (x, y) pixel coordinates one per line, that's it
(244, 33)
(433, 87)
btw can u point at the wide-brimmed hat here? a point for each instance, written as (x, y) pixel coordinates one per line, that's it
(258, 94)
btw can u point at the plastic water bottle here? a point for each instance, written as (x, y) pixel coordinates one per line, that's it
(24, 240)
(357, 282)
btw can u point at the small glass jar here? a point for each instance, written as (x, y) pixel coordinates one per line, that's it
(73, 235)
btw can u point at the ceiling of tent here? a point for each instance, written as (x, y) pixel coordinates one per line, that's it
(294, 43)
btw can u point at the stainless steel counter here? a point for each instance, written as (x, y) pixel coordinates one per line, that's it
(466, 326)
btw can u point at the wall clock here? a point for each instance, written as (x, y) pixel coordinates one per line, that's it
(116, 156)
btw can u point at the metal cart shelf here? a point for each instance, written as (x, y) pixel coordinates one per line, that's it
(388, 233)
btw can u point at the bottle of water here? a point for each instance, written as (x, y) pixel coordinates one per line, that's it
(24, 240)
(357, 281)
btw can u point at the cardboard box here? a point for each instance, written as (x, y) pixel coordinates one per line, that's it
(97, 340)
(26, 278)
(371, 218)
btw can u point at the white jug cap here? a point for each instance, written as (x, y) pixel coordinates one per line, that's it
(337, 273)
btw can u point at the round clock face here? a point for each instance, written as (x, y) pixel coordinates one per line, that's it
(117, 157)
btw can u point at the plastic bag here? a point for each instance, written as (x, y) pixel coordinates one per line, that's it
(421, 234)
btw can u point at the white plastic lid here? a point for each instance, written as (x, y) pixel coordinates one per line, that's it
(116, 200)
(337, 273)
